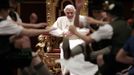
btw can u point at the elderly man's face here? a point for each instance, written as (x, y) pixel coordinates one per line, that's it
(69, 13)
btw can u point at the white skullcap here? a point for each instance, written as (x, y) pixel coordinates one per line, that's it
(69, 7)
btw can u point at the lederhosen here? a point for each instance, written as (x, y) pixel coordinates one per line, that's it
(121, 33)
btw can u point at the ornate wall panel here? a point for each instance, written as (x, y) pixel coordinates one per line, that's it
(28, 6)
(54, 9)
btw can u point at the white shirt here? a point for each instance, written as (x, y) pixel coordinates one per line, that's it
(8, 27)
(104, 32)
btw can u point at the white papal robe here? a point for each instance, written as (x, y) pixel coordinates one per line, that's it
(76, 65)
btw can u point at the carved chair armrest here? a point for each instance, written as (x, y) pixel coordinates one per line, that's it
(49, 43)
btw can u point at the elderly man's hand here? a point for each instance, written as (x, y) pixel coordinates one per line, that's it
(72, 29)
(51, 28)
(67, 34)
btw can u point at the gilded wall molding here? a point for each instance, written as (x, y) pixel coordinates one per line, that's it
(50, 11)
(84, 10)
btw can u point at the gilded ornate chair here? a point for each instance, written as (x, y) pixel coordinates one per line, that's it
(47, 54)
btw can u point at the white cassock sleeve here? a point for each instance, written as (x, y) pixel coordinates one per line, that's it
(58, 31)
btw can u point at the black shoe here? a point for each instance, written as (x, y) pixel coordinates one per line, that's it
(66, 48)
(87, 51)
